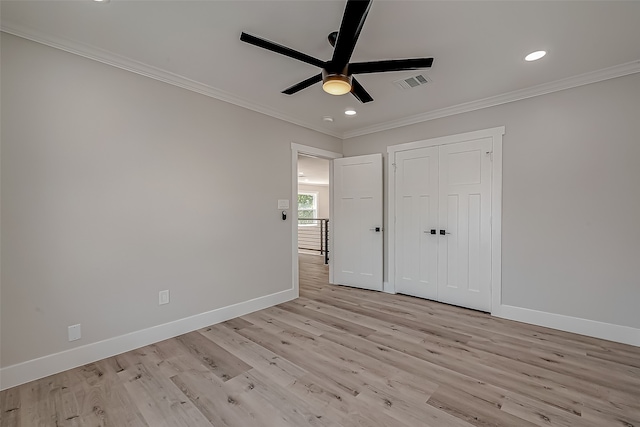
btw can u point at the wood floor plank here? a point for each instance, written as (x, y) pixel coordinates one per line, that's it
(222, 363)
(346, 408)
(340, 356)
(601, 416)
(159, 400)
(614, 380)
(298, 321)
(475, 411)
(428, 311)
(343, 325)
(542, 414)
(10, 404)
(311, 362)
(463, 376)
(237, 323)
(287, 407)
(408, 412)
(280, 370)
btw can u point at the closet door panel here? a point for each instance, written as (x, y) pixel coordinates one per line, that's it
(416, 215)
(464, 260)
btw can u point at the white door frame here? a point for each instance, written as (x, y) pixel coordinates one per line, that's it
(496, 202)
(325, 154)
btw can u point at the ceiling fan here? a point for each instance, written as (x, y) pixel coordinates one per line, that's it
(337, 73)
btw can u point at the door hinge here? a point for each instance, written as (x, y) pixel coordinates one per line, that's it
(395, 167)
(490, 155)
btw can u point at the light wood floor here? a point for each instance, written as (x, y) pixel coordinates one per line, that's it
(345, 357)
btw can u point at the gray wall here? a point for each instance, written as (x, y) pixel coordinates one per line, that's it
(116, 186)
(571, 196)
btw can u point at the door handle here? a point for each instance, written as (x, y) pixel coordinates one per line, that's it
(376, 229)
(442, 232)
(432, 231)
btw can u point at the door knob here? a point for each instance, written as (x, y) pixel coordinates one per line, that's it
(376, 229)
(432, 231)
(442, 232)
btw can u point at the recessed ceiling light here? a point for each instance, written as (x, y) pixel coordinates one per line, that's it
(534, 56)
(350, 112)
(101, 1)
(327, 119)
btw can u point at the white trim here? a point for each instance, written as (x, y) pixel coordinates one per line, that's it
(30, 370)
(496, 220)
(155, 73)
(118, 61)
(331, 234)
(496, 201)
(576, 325)
(325, 154)
(390, 285)
(387, 288)
(542, 89)
(495, 133)
(313, 151)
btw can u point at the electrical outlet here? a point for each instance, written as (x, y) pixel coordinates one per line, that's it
(74, 332)
(163, 297)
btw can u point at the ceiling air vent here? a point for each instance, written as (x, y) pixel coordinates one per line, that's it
(412, 82)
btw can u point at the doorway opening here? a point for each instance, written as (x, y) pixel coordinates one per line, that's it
(313, 206)
(311, 198)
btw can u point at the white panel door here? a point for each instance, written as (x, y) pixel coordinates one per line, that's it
(416, 199)
(464, 252)
(357, 221)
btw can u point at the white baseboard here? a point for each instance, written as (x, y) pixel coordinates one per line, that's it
(41, 367)
(592, 328)
(388, 288)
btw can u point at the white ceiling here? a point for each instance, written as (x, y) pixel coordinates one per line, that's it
(313, 171)
(478, 48)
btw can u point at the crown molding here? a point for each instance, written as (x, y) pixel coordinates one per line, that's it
(146, 70)
(543, 89)
(140, 68)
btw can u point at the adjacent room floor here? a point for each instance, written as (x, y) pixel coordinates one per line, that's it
(340, 356)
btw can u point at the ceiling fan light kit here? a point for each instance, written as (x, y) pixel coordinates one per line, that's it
(337, 73)
(336, 84)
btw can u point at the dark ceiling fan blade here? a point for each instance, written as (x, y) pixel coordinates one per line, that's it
(303, 85)
(353, 19)
(283, 50)
(390, 65)
(358, 91)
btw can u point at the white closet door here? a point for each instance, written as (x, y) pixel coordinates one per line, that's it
(464, 253)
(416, 215)
(357, 221)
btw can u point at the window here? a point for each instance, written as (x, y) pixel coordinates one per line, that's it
(307, 207)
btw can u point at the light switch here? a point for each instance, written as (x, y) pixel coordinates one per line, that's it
(283, 204)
